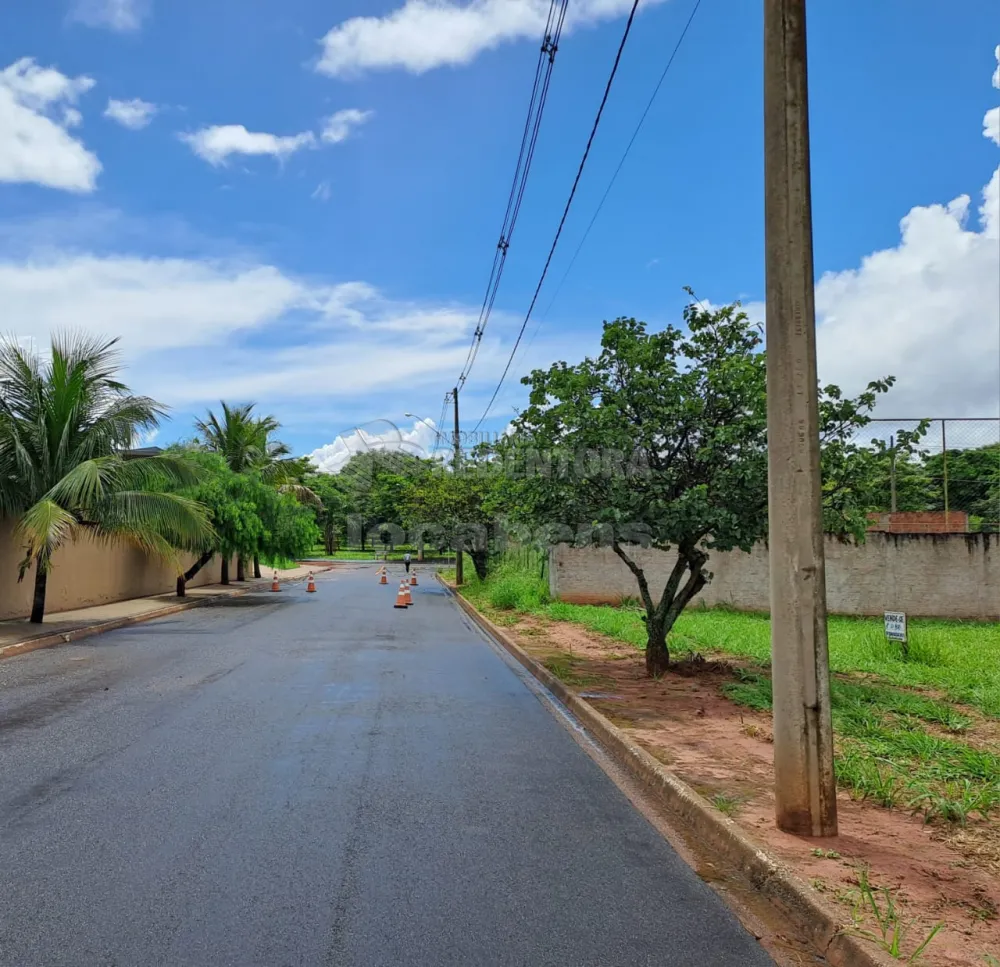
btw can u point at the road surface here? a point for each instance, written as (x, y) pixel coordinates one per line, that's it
(321, 780)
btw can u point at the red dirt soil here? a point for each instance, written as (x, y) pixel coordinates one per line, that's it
(937, 874)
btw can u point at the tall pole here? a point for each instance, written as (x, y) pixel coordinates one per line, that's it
(459, 576)
(892, 474)
(944, 468)
(805, 785)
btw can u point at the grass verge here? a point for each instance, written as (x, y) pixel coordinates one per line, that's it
(914, 729)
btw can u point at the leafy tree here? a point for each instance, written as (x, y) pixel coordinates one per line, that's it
(331, 514)
(65, 426)
(376, 486)
(459, 508)
(661, 441)
(973, 481)
(245, 441)
(249, 518)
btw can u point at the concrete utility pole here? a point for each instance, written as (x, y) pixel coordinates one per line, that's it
(459, 576)
(805, 786)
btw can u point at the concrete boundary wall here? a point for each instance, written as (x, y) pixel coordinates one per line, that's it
(925, 575)
(88, 573)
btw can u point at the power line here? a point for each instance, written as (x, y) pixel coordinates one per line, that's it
(614, 177)
(529, 138)
(569, 202)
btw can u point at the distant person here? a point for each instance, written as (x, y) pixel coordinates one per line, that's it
(406, 561)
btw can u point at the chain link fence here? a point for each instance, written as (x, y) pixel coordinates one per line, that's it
(957, 467)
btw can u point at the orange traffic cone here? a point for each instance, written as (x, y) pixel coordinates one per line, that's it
(311, 586)
(274, 584)
(406, 591)
(382, 579)
(413, 579)
(400, 597)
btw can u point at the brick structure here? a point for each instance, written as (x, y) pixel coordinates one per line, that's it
(920, 522)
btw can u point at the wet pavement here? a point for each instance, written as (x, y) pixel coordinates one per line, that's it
(321, 779)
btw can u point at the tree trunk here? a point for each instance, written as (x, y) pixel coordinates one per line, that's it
(183, 579)
(657, 652)
(420, 550)
(241, 573)
(225, 570)
(38, 602)
(328, 539)
(256, 565)
(480, 561)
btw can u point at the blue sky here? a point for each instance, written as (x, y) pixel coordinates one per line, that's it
(305, 210)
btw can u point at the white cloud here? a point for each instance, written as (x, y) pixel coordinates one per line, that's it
(119, 15)
(338, 127)
(216, 144)
(322, 192)
(34, 146)
(154, 303)
(991, 125)
(926, 311)
(996, 73)
(420, 440)
(133, 114)
(425, 34)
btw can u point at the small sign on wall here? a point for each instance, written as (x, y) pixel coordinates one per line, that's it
(895, 625)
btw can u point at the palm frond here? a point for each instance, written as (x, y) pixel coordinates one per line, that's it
(43, 527)
(147, 519)
(303, 494)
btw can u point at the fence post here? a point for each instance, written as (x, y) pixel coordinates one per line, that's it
(944, 469)
(892, 474)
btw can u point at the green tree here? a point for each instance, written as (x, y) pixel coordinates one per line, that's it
(249, 518)
(376, 486)
(973, 481)
(65, 427)
(661, 441)
(458, 508)
(246, 442)
(331, 514)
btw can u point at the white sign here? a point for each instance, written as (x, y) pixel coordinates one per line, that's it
(895, 625)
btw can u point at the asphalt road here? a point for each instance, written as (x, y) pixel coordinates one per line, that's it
(322, 780)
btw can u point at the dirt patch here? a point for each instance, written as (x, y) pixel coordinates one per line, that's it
(937, 874)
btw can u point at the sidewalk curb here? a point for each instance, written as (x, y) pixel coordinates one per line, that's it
(75, 634)
(793, 898)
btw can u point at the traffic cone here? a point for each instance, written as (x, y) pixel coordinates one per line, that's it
(382, 579)
(311, 586)
(413, 579)
(274, 584)
(406, 591)
(400, 597)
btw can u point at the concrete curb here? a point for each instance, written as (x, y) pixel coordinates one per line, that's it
(818, 922)
(85, 631)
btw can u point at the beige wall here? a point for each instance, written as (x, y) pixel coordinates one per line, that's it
(925, 575)
(87, 573)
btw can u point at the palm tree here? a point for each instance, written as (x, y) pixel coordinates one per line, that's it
(244, 441)
(65, 426)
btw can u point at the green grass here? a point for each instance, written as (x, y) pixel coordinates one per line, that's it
(727, 805)
(959, 659)
(900, 740)
(885, 755)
